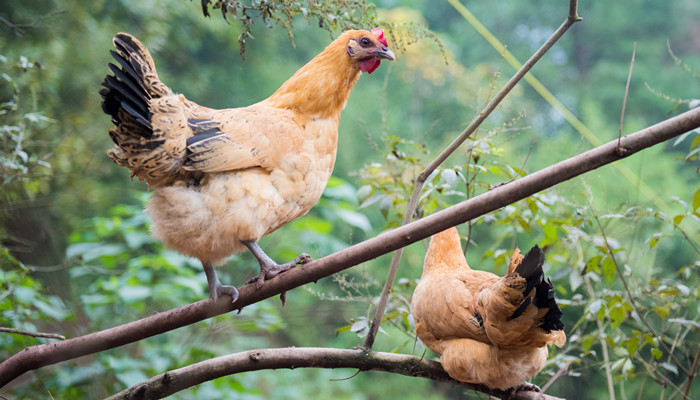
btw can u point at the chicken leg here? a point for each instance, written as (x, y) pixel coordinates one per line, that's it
(216, 289)
(268, 267)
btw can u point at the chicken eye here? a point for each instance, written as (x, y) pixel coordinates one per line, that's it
(364, 42)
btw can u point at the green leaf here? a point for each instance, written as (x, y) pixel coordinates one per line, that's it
(355, 219)
(617, 316)
(685, 322)
(670, 367)
(663, 311)
(656, 353)
(523, 224)
(587, 344)
(632, 345)
(696, 197)
(385, 205)
(653, 242)
(134, 293)
(678, 219)
(593, 264)
(609, 269)
(695, 142)
(54, 309)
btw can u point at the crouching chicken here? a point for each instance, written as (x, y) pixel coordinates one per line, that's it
(486, 329)
(223, 179)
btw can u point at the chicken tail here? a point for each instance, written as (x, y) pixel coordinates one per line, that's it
(127, 93)
(530, 268)
(131, 96)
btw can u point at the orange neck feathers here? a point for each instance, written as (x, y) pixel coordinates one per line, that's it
(445, 247)
(320, 88)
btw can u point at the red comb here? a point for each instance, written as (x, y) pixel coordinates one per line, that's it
(379, 33)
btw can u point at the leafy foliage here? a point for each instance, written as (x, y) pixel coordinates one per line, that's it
(330, 15)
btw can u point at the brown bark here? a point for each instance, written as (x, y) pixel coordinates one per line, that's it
(174, 381)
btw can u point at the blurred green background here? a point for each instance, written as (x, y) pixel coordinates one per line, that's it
(77, 256)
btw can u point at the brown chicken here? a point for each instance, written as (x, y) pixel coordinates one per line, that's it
(223, 179)
(486, 329)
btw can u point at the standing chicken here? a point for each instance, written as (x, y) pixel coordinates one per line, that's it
(486, 329)
(223, 179)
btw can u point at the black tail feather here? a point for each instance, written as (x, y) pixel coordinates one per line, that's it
(531, 269)
(125, 95)
(131, 81)
(544, 298)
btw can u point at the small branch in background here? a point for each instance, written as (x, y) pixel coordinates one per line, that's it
(532, 144)
(624, 99)
(468, 131)
(564, 368)
(19, 28)
(660, 378)
(299, 357)
(693, 370)
(603, 343)
(32, 334)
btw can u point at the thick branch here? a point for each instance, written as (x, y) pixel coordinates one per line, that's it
(311, 357)
(38, 356)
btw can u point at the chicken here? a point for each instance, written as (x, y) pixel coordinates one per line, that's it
(223, 179)
(486, 329)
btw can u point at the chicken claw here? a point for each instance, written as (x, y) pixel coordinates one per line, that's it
(525, 386)
(216, 289)
(268, 267)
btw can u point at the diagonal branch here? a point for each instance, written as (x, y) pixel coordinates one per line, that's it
(174, 381)
(468, 131)
(46, 354)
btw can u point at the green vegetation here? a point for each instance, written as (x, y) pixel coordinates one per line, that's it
(76, 255)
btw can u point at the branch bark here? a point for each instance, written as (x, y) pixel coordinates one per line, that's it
(174, 381)
(46, 354)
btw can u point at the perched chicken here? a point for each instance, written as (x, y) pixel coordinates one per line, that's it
(223, 179)
(486, 329)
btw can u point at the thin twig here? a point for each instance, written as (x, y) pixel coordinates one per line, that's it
(661, 378)
(532, 144)
(693, 370)
(18, 28)
(603, 343)
(556, 376)
(32, 334)
(420, 181)
(624, 99)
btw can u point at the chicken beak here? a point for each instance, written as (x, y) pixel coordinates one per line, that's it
(385, 54)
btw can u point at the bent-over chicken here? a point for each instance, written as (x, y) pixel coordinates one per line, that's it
(223, 179)
(486, 329)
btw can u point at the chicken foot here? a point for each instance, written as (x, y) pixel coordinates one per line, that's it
(525, 386)
(216, 289)
(268, 267)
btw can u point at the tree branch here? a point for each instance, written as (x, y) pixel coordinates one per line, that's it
(32, 334)
(310, 357)
(46, 354)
